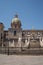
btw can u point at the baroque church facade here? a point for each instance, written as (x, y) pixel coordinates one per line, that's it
(15, 36)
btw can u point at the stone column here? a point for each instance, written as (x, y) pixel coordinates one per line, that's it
(9, 44)
(2, 44)
(13, 43)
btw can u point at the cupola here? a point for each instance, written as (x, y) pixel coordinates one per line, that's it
(16, 23)
(1, 26)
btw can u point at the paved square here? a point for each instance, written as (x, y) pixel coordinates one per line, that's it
(21, 60)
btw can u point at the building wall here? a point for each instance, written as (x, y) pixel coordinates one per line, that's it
(23, 38)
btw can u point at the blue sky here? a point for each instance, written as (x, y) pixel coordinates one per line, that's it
(30, 13)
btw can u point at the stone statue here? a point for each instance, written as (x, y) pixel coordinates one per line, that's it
(26, 43)
(11, 44)
(41, 42)
(19, 42)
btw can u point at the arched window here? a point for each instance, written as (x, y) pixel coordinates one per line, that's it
(14, 32)
(1, 36)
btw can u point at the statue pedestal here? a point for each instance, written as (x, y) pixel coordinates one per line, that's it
(34, 44)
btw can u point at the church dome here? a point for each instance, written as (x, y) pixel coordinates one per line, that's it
(15, 19)
(1, 25)
(16, 23)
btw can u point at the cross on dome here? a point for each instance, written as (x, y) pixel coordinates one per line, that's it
(16, 16)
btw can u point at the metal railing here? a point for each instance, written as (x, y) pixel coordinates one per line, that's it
(20, 50)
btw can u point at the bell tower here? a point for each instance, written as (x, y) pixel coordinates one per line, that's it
(1, 33)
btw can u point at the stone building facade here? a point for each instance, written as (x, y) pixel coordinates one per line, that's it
(15, 36)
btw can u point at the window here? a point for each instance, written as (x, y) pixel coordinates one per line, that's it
(1, 36)
(22, 34)
(11, 41)
(42, 33)
(14, 32)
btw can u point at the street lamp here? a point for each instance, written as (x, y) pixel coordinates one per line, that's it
(8, 46)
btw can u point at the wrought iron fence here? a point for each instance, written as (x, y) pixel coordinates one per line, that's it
(20, 50)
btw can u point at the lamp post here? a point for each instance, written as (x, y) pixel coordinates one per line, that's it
(8, 46)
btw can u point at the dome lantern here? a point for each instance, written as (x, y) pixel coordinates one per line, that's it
(16, 16)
